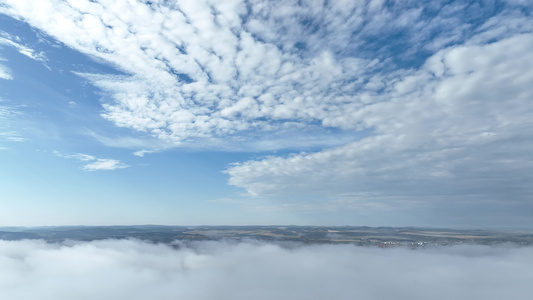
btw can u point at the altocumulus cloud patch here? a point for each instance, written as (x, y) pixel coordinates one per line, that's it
(422, 108)
(130, 269)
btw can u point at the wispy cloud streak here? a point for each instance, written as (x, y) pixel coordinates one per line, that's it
(96, 164)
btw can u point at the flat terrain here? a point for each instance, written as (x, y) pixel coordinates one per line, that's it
(359, 235)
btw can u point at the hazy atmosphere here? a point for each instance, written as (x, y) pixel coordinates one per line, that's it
(130, 269)
(390, 113)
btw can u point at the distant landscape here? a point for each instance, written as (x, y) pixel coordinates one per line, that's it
(264, 263)
(358, 235)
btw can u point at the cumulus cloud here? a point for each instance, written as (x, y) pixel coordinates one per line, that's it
(456, 126)
(96, 164)
(129, 269)
(211, 70)
(268, 69)
(430, 101)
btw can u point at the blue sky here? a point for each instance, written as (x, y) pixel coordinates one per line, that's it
(259, 112)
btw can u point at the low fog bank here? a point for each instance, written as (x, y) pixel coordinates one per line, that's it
(132, 269)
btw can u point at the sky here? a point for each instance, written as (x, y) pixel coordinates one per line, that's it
(379, 113)
(129, 269)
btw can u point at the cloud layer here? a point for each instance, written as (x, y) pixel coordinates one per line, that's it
(459, 123)
(129, 269)
(406, 102)
(210, 71)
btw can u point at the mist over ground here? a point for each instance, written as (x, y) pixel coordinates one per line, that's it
(132, 269)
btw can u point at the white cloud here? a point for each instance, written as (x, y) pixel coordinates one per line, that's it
(78, 156)
(450, 128)
(96, 164)
(5, 73)
(428, 102)
(104, 164)
(128, 269)
(7, 40)
(269, 67)
(187, 85)
(142, 153)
